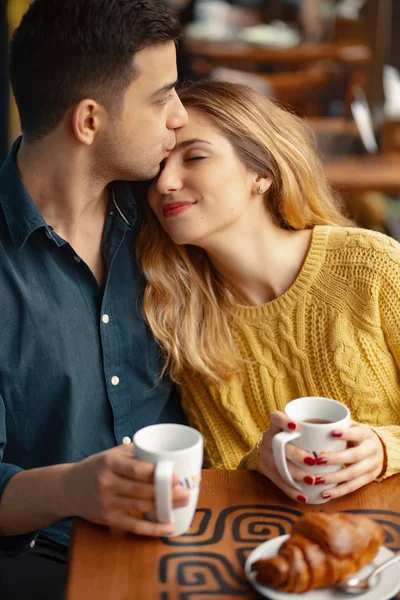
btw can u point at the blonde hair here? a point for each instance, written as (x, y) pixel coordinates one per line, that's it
(187, 305)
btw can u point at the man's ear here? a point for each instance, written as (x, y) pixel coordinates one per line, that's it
(88, 118)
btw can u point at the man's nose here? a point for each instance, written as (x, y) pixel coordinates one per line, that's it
(178, 116)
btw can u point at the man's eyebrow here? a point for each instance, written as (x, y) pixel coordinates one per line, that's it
(187, 143)
(165, 88)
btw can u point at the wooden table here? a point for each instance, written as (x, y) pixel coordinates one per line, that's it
(224, 53)
(237, 510)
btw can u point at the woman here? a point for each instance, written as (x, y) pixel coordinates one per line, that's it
(259, 292)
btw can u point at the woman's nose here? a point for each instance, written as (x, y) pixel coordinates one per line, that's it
(168, 180)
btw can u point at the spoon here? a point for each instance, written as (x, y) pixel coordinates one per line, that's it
(357, 585)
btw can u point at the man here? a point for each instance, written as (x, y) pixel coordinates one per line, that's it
(94, 82)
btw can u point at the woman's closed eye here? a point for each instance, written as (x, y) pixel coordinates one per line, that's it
(192, 158)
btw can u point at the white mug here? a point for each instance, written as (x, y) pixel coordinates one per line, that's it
(174, 449)
(314, 437)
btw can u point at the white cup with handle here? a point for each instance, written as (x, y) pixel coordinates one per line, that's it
(316, 417)
(175, 449)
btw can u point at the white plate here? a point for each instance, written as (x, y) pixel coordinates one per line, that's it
(387, 586)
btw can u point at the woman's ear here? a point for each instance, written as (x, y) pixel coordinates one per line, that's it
(261, 184)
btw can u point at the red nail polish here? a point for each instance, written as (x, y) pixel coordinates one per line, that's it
(321, 461)
(302, 499)
(309, 460)
(308, 479)
(292, 426)
(337, 433)
(326, 495)
(319, 481)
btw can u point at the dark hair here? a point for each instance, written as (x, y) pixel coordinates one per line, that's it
(66, 50)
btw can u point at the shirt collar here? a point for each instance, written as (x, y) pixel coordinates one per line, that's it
(124, 202)
(23, 216)
(21, 213)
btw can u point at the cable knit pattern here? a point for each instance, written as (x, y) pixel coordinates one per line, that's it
(334, 333)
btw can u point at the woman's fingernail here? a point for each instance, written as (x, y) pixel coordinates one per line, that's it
(308, 479)
(319, 481)
(321, 461)
(309, 460)
(326, 495)
(292, 426)
(302, 499)
(337, 433)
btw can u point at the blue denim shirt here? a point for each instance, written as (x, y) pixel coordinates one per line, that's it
(78, 366)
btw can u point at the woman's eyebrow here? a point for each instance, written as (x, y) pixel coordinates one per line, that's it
(186, 143)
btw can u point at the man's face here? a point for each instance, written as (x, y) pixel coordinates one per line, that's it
(143, 134)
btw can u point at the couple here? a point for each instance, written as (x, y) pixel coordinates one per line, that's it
(250, 282)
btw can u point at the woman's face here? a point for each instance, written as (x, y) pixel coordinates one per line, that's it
(204, 190)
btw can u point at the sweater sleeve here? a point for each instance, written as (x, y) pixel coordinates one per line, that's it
(389, 307)
(390, 439)
(249, 461)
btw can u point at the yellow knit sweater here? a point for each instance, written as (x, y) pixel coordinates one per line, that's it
(334, 333)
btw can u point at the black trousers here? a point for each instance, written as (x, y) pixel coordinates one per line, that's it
(38, 574)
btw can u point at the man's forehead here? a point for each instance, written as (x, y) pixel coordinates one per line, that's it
(155, 68)
(155, 57)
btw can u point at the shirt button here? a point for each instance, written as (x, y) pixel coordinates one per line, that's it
(77, 259)
(126, 440)
(105, 319)
(115, 380)
(32, 544)
(49, 234)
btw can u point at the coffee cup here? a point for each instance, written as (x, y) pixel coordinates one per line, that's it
(173, 449)
(316, 417)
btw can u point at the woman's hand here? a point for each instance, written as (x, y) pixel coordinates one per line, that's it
(266, 463)
(363, 458)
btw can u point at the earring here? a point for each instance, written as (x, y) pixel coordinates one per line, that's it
(260, 189)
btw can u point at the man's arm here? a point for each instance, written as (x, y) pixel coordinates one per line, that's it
(109, 488)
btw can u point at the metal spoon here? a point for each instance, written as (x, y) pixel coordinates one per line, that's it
(356, 585)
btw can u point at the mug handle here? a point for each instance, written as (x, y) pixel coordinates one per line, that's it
(279, 442)
(163, 484)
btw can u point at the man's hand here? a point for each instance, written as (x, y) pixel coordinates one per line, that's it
(107, 487)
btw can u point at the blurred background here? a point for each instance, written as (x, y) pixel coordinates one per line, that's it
(333, 62)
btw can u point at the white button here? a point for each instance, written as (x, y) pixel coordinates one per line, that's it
(115, 380)
(32, 544)
(105, 319)
(77, 259)
(126, 440)
(49, 234)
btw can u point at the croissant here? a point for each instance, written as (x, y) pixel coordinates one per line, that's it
(322, 550)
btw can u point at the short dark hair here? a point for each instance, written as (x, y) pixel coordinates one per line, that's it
(66, 50)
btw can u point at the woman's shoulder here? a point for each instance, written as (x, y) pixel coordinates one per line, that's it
(359, 265)
(355, 242)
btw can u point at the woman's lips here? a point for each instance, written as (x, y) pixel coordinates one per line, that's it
(171, 209)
